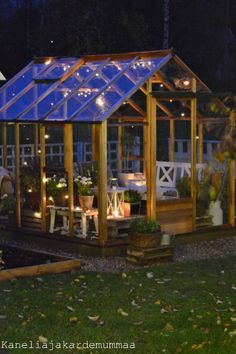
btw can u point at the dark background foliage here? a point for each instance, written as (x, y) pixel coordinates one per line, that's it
(201, 32)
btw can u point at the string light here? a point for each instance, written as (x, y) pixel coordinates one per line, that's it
(37, 214)
(48, 61)
(25, 163)
(47, 136)
(29, 190)
(182, 114)
(100, 101)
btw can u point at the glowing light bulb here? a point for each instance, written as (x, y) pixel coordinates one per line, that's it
(37, 214)
(186, 82)
(100, 101)
(48, 61)
(161, 85)
(29, 190)
(116, 213)
(25, 163)
(47, 136)
(182, 114)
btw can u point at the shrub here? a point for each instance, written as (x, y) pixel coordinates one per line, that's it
(132, 196)
(146, 226)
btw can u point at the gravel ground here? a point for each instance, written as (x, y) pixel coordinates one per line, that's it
(193, 252)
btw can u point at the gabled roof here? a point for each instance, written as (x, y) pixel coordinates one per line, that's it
(86, 89)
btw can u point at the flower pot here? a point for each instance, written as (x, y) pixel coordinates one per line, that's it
(216, 212)
(61, 199)
(151, 240)
(126, 209)
(86, 201)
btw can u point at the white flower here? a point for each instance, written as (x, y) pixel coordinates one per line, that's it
(4, 196)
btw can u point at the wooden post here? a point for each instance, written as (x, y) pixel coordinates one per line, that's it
(193, 151)
(231, 199)
(43, 177)
(36, 140)
(102, 183)
(146, 142)
(68, 163)
(4, 145)
(17, 173)
(152, 183)
(120, 148)
(95, 142)
(150, 153)
(172, 140)
(200, 142)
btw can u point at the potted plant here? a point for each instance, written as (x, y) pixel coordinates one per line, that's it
(57, 191)
(132, 202)
(30, 184)
(145, 233)
(183, 187)
(84, 188)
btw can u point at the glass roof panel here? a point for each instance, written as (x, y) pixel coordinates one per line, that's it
(119, 90)
(12, 88)
(24, 100)
(89, 89)
(74, 90)
(56, 70)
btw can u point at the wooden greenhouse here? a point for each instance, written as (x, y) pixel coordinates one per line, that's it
(104, 92)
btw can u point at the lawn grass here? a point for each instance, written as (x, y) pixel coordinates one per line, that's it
(168, 308)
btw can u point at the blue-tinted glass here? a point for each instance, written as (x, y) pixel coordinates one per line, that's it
(16, 108)
(69, 90)
(57, 70)
(19, 83)
(119, 90)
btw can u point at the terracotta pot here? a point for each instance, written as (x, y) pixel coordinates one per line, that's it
(60, 199)
(126, 208)
(152, 240)
(86, 201)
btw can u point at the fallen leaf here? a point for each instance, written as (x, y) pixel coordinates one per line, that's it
(73, 319)
(121, 312)
(42, 339)
(158, 302)
(71, 309)
(93, 318)
(168, 327)
(150, 275)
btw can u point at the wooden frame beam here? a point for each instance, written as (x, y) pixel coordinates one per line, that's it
(36, 140)
(200, 143)
(150, 153)
(193, 152)
(4, 145)
(43, 178)
(17, 174)
(172, 141)
(120, 148)
(95, 141)
(102, 183)
(68, 163)
(231, 166)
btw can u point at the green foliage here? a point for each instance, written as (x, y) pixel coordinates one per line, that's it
(146, 226)
(83, 186)
(183, 187)
(56, 185)
(30, 177)
(132, 196)
(7, 205)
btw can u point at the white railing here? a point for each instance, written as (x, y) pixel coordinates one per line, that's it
(169, 172)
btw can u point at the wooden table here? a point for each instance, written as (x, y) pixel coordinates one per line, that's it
(79, 213)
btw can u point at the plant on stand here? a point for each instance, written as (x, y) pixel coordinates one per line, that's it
(132, 202)
(57, 191)
(84, 189)
(145, 233)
